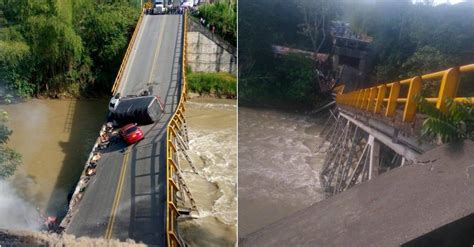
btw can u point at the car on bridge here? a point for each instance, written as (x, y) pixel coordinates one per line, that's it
(131, 133)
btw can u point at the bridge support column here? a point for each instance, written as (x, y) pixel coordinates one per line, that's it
(374, 157)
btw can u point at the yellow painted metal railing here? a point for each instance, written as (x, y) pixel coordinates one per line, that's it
(127, 54)
(387, 96)
(174, 126)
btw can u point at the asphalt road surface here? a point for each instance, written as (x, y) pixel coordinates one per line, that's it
(126, 198)
(429, 203)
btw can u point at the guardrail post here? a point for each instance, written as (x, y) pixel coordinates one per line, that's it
(380, 97)
(392, 100)
(448, 88)
(359, 98)
(365, 95)
(372, 93)
(410, 105)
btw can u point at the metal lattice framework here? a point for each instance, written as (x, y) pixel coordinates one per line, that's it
(347, 158)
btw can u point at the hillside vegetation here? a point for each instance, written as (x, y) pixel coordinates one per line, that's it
(63, 47)
(409, 39)
(223, 15)
(220, 84)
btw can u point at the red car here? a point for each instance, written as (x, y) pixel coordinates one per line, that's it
(131, 133)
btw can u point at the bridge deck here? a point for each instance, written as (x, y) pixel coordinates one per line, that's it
(126, 198)
(401, 207)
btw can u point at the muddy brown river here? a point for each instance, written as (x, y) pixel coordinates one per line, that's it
(54, 138)
(278, 165)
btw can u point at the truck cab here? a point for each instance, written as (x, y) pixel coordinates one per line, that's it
(159, 7)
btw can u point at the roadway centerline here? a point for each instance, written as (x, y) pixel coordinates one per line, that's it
(118, 194)
(157, 49)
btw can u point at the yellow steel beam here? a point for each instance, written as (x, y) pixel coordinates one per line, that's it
(448, 88)
(392, 100)
(372, 94)
(410, 105)
(380, 96)
(372, 99)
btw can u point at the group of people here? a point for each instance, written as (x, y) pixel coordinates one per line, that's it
(209, 26)
(91, 167)
(172, 10)
(106, 134)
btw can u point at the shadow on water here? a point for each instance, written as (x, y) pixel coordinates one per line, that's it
(83, 122)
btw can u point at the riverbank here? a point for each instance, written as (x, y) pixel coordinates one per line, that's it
(216, 84)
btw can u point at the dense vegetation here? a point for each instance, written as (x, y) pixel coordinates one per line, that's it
(220, 84)
(55, 47)
(282, 81)
(9, 159)
(223, 15)
(409, 39)
(413, 39)
(456, 124)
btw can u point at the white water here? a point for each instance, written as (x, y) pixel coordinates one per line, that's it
(213, 149)
(278, 165)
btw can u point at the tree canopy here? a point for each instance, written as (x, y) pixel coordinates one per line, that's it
(57, 47)
(417, 38)
(223, 15)
(408, 39)
(9, 158)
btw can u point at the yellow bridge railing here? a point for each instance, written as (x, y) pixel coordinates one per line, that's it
(127, 54)
(387, 96)
(174, 126)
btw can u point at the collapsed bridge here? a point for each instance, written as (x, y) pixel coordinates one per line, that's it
(137, 192)
(386, 188)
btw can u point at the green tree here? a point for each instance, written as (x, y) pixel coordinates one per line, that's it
(264, 78)
(58, 51)
(13, 58)
(63, 46)
(425, 60)
(317, 16)
(294, 80)
(456, 124)
(9, 158)
(106, 31)
(406, 35)
(223, 15)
